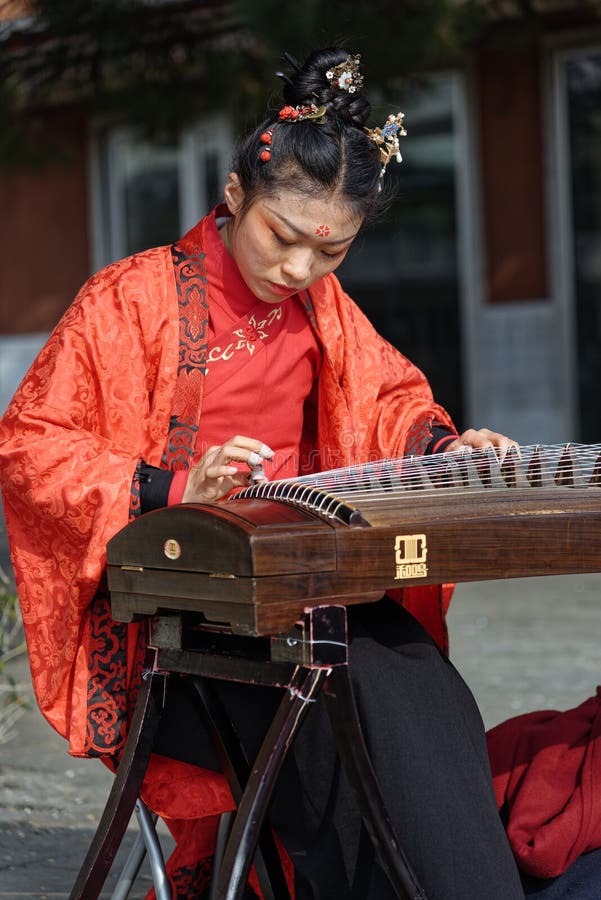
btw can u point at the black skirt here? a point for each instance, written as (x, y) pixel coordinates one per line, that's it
(426, 740)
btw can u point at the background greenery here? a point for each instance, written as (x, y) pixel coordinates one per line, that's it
(159, 64)
(14, 697)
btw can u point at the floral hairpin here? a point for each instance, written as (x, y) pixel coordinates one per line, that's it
(301, 113)
(346, 75)
(386, 138)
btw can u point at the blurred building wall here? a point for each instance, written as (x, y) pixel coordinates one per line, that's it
(518, 353)
(44, 233)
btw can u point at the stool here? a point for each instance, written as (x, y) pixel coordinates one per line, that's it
(146, 842)
(312, 658)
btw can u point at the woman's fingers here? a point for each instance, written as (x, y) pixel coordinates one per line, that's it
(243, 449)
(215, 475)
(483, 438)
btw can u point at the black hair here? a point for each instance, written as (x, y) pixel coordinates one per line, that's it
(333, 158)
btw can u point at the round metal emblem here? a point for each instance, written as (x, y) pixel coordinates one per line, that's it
(172, 549)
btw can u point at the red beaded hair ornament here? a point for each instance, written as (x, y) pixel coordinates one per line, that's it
(302, 113)
(292, 114)
(265, 154)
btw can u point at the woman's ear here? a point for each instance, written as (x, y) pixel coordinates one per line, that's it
(233, 193)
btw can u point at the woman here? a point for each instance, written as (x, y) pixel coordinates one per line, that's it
(180, 374)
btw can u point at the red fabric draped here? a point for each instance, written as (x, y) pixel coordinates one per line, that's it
(546, 768)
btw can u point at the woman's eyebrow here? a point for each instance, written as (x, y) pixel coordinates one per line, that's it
(305, 234)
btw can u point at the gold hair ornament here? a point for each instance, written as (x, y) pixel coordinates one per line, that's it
(346, 75)
(386, 139)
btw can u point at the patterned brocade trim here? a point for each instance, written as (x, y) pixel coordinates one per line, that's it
(192, 882)
(135, 506)
(108, 704)
(418, 437)
(107, 680)
(309, 310)
(191, 285)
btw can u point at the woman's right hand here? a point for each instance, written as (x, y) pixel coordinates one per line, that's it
(215, 476)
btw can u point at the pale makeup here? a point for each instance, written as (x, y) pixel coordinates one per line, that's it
(282, 244)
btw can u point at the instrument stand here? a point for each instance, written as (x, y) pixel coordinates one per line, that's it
(311, 659)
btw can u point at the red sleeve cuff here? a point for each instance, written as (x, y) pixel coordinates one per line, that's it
(441, 445)
(178, 486)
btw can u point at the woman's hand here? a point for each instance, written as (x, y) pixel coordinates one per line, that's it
(215, 476)
(480, 440)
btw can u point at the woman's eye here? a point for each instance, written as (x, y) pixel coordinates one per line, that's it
(284, 243)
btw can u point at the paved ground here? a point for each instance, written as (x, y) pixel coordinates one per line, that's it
(521, 645)
(50, 804)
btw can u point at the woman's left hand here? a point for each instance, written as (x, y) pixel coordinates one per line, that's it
(481, 439)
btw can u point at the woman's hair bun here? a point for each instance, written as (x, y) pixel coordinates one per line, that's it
(315, 152)
(312, 82)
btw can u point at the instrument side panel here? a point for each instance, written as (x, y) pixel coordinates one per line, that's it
(252, 538)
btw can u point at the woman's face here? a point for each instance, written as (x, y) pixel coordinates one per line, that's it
(285, 242)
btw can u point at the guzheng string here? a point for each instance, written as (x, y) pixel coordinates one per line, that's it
(536, 465)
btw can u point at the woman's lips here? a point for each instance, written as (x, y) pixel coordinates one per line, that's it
(281, 289)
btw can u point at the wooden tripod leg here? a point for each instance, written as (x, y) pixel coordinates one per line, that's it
(244, 836)
(126, 786)
(355, 758)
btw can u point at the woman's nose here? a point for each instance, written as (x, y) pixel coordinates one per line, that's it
(297, 265)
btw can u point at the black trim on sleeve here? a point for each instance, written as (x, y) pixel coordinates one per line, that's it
(441, 438)
(154, 486)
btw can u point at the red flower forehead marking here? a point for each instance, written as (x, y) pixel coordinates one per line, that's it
(322, 230)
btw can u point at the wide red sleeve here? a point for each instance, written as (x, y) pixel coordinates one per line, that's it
(95, 401)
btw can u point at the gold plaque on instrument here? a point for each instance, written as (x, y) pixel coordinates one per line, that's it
(410, 552)
(172, 549)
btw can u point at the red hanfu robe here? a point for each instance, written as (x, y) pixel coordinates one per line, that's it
(121, 380)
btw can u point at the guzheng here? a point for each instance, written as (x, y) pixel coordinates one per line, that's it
(255, 560)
